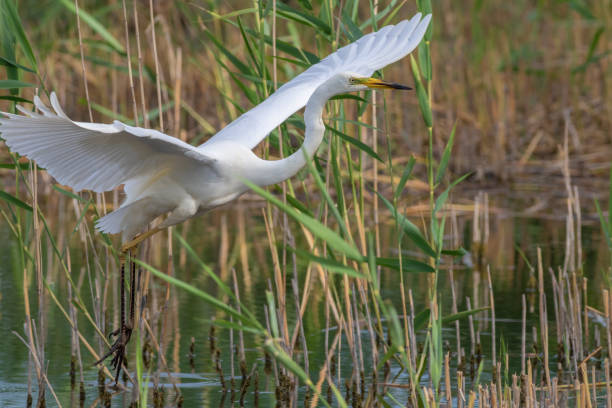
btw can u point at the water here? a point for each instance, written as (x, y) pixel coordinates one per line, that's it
(186, 316)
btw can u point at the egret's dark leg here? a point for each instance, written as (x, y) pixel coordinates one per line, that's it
(124, 332)
(133, 290)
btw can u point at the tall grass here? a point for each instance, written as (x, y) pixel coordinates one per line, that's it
(322, 229)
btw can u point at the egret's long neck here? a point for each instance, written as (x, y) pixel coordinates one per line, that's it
(272, 172)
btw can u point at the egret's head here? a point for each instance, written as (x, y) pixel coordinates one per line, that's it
(351, 82)
(359, 83)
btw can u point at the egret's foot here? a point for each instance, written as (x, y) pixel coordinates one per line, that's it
(118, 348)
(138, 239)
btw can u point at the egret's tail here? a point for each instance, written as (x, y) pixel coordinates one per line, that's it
(128, 219)
(112, 223)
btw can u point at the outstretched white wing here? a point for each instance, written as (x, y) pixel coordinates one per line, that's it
(89, 156)
(363, 57)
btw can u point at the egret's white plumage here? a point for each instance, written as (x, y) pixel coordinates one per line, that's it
(162, 174)
(366, 55)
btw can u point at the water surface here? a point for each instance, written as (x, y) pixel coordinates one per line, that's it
(186, 316)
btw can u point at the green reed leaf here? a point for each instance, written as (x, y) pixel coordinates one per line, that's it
(306, 4)
(11, 199)
(374, 19)
(13, 19)
(441, 200)
(14, 83)
(405, 176)
(385, 404)
(328, 263)
(397, 334)
(421, 94)
(409, 228)
(354, 122)
(253, 324)
(9, 63)
(276, 350)
(226, 324)
(610, 203)
(104, 62)
(594, 42)
(204, 124)
(21, 166)
(225, 288)
(249, 93)
(348, 96)
(304, 57)
(298, 204)
(388, 356)
(351, 30)
(407, 265)
(424, 6)
(579, 7)
(476, 382)
(392, 14)
(331, 238)
(339, 397)
(323, 189)
(446, 156)
(255, 60)
(95, 25)
(435, 351)
(242, 67)
(462, 315)
(454, 252)
(591, 57)
(605, 225)
(425, 60)
(69, 193)
(293, 61)
(272, 314)
(288, 12)
(421, 318)
(8, 42)
(14, 98)
(140, 369)
(355, 142)
(337, 178)
(227, 18)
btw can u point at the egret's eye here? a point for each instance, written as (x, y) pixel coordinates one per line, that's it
(352, 81)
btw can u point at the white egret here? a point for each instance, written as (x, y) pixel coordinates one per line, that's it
(164, 175)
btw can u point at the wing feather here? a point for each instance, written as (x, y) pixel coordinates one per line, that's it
(90, 156)
(368, 54)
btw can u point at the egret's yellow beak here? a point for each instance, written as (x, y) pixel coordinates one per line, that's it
(379, 83)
